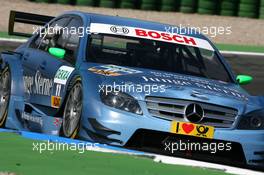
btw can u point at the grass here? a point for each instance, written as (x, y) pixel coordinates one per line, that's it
(5, 35)
(18, 157)
(242, 48)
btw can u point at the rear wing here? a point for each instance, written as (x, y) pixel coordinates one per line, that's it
(26, 18)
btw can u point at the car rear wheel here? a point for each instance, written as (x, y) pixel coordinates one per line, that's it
(72, 111)
(5, 89)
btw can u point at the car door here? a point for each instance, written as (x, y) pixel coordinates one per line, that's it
(36, 84)
(59, 70)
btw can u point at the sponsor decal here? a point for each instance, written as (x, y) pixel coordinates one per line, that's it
(103, 72)
(186, 81)
(113, 70)
(165, 36)
(54, 132)
(38, 85)
(63, 74)
(28, 84)
(151, 35)
(55, 101)
(120, 69)
(32, 118)
(119, 30)
(57, 122)
(192, 129)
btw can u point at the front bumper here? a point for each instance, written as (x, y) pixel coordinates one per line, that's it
(120, 128)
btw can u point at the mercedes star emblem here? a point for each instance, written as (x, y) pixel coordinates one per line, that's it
(194, 113)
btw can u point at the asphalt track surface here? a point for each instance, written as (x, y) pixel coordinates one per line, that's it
(243, 30)
(241, 64)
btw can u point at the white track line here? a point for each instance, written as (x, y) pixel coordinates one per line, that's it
(195, 163)
(242, 53)
(13, 40)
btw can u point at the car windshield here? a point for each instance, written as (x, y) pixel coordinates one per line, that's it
(156, 55)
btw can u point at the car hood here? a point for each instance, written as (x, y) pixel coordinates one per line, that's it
(141, 83)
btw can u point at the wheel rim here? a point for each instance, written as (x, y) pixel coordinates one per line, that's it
(4, 93)
(72, 111)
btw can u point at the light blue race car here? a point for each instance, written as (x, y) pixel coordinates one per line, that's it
(130, 83)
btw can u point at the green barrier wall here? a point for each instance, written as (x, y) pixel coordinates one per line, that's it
(242, 8)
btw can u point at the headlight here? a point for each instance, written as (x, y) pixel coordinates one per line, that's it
(122, 101)
(252, 122)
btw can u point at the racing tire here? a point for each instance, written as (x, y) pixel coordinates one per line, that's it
(189, 3)
(249, 1)
(73, 110)
(261, 11)
(64, 1)
(130, 1)
(205, 11)
(5, 91)
(148, 7)
(149, 1)
(184, 9)
(247, 14)
(228, 13)
(107, 3)
(168, 2)
(127, 5)
(233, 1)
(45, 1)
(226, 5)
(167, 8)
(85, 2)
(169, 5)
(248, 7)
(207, 4)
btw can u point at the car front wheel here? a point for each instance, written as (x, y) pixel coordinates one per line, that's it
(5, 89)
(72, 111)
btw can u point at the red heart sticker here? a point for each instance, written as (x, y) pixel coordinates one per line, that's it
(187, 127)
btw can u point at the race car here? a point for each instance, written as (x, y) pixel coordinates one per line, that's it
(129, 83)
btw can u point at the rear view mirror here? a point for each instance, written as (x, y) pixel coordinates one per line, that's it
(244, 79)
(57, 52)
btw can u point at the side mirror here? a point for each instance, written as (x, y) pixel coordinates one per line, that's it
(244, 79)
(57, 52)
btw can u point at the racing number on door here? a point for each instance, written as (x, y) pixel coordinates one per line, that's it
(58, 90)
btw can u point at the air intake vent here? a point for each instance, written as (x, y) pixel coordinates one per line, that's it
(174, 109)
